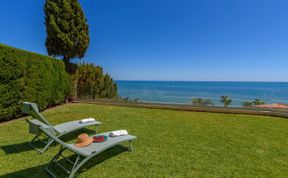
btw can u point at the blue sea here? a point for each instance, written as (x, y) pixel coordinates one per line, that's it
(182, 92)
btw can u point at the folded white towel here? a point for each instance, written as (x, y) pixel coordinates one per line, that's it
(118, 133)
(87, 120)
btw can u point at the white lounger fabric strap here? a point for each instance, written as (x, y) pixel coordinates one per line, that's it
(83, 121)
(118, 133)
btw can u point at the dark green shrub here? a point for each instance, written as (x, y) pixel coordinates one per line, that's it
(258, 102)
(202, 102)
(89, 82)
(248, 103)
(26, 76)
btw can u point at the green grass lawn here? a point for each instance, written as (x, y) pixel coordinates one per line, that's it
(169, 144)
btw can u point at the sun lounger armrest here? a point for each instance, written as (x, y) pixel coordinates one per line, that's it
(33, 128)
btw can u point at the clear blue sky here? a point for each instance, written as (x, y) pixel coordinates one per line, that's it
(238, 40)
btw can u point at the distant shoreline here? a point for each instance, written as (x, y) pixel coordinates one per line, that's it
(182, 92)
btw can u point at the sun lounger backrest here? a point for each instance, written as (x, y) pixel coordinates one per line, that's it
(32, 110)
(48, 130)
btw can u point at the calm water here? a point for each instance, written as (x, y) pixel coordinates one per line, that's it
(183, 92)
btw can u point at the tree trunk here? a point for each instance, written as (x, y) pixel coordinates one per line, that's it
(67, 67)
(67, 63)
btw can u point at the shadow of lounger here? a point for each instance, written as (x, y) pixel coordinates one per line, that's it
(38, 171)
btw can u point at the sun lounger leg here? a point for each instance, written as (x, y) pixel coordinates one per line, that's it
(32, 141)
(50, 141)
(130, 148)
(54, 159)
(34, 138)
(77, 166)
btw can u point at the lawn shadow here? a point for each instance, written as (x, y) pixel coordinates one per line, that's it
(38, 171)
(16, 148)
(22, 147)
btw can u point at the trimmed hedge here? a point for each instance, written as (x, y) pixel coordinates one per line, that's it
(26, 76)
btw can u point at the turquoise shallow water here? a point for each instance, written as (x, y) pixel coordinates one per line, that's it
(183, 92)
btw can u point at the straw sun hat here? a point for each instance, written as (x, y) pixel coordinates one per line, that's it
(83, 140)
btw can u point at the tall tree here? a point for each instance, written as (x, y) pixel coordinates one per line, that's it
(67, 29)
(226, 100)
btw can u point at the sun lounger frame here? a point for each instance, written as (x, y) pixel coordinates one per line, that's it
(81, 156)
(32, 109)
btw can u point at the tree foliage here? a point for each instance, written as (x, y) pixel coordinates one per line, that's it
(89, 81)
(226, 100)
(67, 29)
(247, 103)
(202, 102)
(258, 102)
(252, 103)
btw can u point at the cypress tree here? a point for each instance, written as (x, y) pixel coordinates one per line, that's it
(67, 29)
